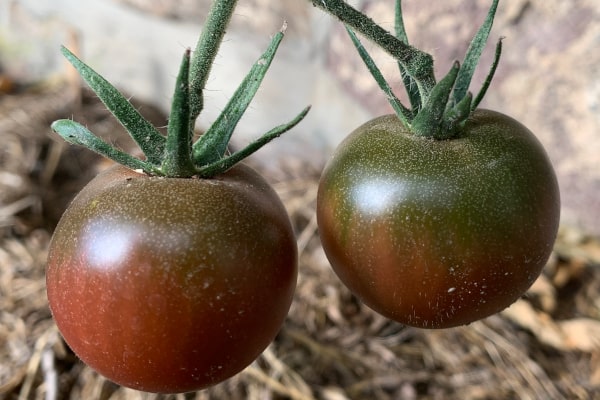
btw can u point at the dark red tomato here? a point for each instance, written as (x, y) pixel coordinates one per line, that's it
(436, 234)
(172, 285)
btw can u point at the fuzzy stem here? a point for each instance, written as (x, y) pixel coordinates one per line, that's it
(418, 64)
(206, 50)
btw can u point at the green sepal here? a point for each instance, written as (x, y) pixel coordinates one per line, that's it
(489, 77)
(403, 113)
(429, 121)
(455, 117)
(177, 160)
(212, 145)
(175, 154)
(225, 163)
(473, 55)
(75, 133)
(411, 87)
(147, 137)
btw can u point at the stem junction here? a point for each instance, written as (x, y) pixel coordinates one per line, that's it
(437, 110)
(176, 155)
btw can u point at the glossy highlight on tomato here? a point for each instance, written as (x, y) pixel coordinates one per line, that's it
(439, 233)
(170, 284)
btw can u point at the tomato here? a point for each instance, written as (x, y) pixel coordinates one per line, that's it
(170, 284)
(439, 233)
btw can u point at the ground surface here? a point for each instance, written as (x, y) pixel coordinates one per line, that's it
(546, 346)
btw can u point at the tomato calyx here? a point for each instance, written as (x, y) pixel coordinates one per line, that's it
(177, 154)
(438, 110)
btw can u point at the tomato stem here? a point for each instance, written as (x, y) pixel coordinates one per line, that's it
(438, 110)
(418, 64)
(176, 155)
(206, 50)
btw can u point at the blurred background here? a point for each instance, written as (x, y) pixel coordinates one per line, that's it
(549, 76)
(546, 346)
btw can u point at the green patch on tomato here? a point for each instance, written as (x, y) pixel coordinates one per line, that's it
(172, 284)
(439, 233)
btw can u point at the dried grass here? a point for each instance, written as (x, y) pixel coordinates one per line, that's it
(331, 347)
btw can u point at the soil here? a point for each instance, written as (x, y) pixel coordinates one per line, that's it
(545, 346)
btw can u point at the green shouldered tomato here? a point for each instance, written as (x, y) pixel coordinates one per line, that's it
(439, 233)
(172, 284)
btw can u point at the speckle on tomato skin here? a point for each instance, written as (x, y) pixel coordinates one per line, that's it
(136, 286)
(418, 216)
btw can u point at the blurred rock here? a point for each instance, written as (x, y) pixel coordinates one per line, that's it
(549, 76)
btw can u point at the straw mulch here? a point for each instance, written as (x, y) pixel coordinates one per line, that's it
(547, 346)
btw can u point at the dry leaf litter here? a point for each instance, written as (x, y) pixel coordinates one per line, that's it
(546, 346)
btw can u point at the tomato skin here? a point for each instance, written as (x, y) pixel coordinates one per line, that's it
(436, 234)
(172, 285)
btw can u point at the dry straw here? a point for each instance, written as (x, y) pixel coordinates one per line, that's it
(331, 347)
